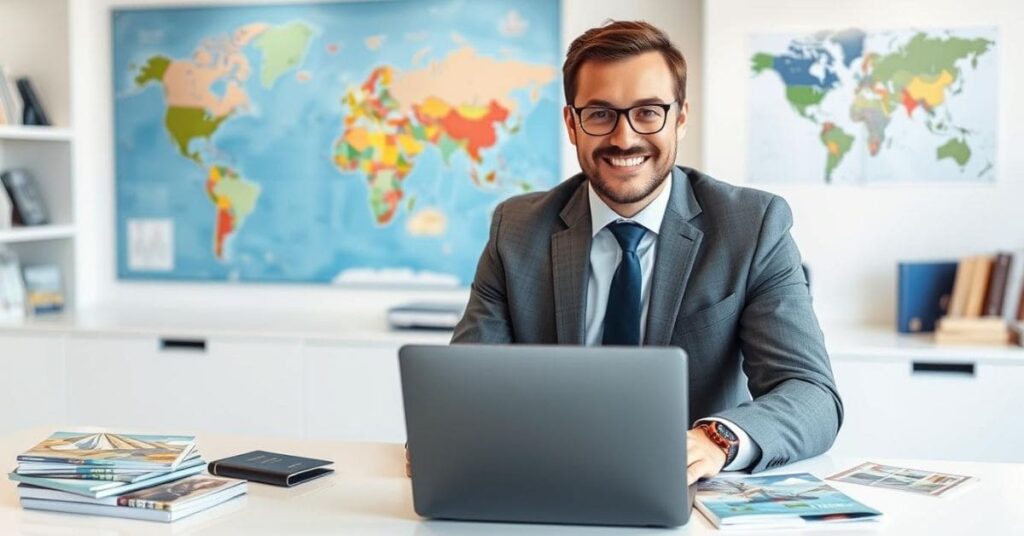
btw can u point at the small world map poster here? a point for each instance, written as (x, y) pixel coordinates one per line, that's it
(350, 143)
(856, 106)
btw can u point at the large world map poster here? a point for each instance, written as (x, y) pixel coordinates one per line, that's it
(357, 142)
(873, 106)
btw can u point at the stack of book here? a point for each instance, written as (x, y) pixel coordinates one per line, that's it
(155, 478)
(987, 300)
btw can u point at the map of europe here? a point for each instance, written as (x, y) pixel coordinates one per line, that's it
(856, 106)
(353, 143)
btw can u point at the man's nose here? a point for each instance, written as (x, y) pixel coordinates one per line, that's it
(623, 136)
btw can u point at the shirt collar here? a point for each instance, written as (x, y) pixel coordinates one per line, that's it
(650, 217)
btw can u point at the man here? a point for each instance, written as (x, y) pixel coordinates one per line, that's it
(636, 251)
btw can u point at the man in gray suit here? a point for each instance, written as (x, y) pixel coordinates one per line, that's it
(636, 251)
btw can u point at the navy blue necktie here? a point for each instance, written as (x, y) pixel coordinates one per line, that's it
(622, 319)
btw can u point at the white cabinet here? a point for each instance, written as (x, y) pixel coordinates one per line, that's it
(32, 389)
(245, 386)
(957, 409)
(353, 392)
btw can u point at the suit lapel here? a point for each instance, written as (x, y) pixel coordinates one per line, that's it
(678, 244)
(570, 258)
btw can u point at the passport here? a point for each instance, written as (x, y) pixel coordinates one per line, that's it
(271, 468)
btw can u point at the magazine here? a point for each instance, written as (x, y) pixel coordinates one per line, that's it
(916, 481)
(777, 501)
(122, 450)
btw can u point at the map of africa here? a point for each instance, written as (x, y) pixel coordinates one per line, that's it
(355, 143)
(855, 106)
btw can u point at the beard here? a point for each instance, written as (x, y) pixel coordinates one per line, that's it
(636, 189)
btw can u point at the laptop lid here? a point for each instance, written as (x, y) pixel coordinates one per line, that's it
(549, 434)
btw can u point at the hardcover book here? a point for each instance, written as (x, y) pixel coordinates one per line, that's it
(29, 208)
(271, 468)
(778, 501)
(925, 293)
(121, 450)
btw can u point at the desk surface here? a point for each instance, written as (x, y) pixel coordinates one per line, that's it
(370, 494)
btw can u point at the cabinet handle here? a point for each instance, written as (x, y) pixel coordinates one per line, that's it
(192, 345)
(966, 369)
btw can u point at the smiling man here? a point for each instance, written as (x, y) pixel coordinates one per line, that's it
(634, 251)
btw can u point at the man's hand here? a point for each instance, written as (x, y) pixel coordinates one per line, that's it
(408, 462)
(704, 458)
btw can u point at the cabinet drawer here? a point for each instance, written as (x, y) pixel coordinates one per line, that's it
(186, 385)
(353, 392)
(31, 381)
(919, 409)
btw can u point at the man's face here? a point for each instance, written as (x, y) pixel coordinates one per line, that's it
(625, 167)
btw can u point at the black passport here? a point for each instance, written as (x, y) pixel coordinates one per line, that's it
(270, 468)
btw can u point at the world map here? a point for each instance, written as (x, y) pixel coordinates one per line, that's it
(353, 143)
(856, 106)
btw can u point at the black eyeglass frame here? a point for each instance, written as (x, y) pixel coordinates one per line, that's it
(619, 112)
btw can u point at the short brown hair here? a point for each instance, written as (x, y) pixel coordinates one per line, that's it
(618, 40)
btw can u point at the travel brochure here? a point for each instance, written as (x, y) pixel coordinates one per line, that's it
(778, 501)
(916, 481)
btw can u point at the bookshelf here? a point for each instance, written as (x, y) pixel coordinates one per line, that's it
(46, 152)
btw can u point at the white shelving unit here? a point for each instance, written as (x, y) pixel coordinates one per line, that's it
(46, 152)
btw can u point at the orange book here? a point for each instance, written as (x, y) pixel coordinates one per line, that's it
(961, 287)
(979, 285)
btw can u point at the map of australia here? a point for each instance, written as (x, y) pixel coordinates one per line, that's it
(861, 106)
(323, 148)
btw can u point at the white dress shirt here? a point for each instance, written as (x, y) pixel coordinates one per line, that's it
(605, 255)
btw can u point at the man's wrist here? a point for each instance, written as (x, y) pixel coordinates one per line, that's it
(722, 437)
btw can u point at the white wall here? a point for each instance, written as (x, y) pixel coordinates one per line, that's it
(853, 236)
(94, 156)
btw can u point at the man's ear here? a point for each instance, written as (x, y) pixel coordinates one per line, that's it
(570, 124)
(684, 114)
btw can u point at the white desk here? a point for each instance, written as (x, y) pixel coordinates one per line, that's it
(370, 494)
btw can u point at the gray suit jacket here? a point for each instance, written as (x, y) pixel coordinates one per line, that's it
(727, 287)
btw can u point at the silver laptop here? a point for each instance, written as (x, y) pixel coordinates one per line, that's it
(548, 434)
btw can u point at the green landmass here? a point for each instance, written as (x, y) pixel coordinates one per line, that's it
(834, 136)
(283, 48)
(153, 70)
(926, 56)
(762, 62)
(186, 124)
(803, 97)
(956, 150)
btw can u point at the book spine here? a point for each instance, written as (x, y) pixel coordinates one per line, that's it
(232, 471)
(961, 287)
(997, 286)
(979, 286)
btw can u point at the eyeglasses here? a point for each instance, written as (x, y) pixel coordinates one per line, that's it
(643, 119)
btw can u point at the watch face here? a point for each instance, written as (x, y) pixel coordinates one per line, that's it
(725, 432)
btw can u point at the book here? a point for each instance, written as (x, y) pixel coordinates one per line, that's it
(98, 472)
(12, 288)
(985, 324)
(9, 97)
(1014, 286)
(29, 208)
(796, 500)
(271, 468)
(43, 288)
(33, 112)
(968, 338)
(98, 489)
(916, 481)
(997, 286)
(924, 294)
(980, 277)
(166, 502)
(6, 209)
(106, 449)
(426, 315)
(962, 286)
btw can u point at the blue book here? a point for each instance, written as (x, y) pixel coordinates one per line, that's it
(924, 294)
(778, 501)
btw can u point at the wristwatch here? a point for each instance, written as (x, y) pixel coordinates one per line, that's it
(723, 438)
